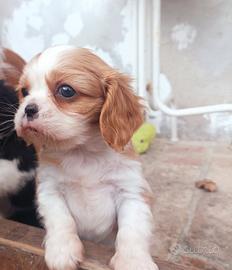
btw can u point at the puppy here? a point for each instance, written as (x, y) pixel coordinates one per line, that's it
(11, 66)
(17, 165)
(82, 114)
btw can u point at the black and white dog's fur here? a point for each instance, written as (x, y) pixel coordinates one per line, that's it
(17, 165)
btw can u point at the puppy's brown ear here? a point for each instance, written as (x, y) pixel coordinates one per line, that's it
(122, 112)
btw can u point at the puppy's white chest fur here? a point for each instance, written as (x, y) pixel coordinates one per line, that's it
(93, 210)
(84, 183)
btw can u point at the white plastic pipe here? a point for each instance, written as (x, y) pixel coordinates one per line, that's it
(141, 49)
(174, 134)
(135, 48)
(154, 98)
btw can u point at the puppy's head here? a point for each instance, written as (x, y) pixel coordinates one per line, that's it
(65, 91)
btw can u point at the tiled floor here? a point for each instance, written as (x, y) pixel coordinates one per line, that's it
(199, 221)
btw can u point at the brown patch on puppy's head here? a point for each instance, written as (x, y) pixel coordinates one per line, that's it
(103, 95)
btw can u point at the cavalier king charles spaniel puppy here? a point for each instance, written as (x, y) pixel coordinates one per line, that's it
(81, 114)
(17, 160)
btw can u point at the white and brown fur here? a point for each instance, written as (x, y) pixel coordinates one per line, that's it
(90, 179)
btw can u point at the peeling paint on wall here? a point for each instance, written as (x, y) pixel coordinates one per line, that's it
(61, 38)
(184, 34)
(222, 121)
(125, 48)
(15, 30)
(74, 24)
(105, 26)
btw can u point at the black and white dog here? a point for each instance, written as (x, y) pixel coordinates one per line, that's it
(17, 165)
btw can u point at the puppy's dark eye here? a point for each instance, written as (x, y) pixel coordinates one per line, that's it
(24, 92)
(66, 91)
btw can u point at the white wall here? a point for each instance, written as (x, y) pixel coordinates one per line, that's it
(30, 26)
(196, 57)
(196, 42)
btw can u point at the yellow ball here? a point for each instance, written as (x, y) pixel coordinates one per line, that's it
(143, 137)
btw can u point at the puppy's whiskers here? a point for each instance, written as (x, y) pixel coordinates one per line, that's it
(7, 136)
(9, 103)
(8, 121)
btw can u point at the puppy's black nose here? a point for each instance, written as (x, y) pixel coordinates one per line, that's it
(31, 110)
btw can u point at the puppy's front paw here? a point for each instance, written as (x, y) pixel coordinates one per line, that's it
(132, 262)
(64, 252)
